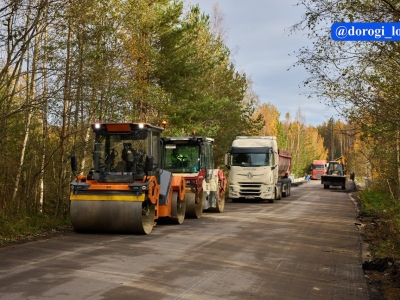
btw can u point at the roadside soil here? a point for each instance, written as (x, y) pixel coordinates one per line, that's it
(40, 235)
(382, 274)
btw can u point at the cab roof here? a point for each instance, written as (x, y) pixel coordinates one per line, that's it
(123, 128)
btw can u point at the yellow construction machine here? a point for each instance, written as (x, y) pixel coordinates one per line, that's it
(336, 173)
(126, 190)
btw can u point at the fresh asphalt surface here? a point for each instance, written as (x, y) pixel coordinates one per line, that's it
(305, 246)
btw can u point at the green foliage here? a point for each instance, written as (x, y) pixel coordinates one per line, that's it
(374, 202)
(115, 61)
(24, 226)
(361, 80)
(387, 210)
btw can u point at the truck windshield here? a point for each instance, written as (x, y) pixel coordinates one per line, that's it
(182, 158)
(318, 167)
(251, 159)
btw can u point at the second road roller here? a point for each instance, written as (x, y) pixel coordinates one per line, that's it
(126, 190)
(192, 157)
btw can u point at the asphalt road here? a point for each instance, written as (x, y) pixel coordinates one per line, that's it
(305, 246)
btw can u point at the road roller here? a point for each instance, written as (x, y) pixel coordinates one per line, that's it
(126, 190)
(192, 157)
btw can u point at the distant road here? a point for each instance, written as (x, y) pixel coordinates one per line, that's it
(305, 246)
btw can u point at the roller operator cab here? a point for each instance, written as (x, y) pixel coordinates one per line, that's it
(258, 170)
(126, 190)
(192, 157)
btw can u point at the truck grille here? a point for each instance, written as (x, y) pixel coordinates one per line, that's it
(250, 189)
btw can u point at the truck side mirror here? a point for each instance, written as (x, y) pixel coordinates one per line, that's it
(226, 159)
(74, 164)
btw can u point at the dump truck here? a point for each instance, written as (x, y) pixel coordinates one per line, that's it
(318, 168)
(126, 190)
(258, 170)
(336, 173)
(192, 157)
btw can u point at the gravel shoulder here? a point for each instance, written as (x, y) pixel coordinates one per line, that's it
(382, 274)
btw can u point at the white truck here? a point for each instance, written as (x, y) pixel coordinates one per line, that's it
(258, 170)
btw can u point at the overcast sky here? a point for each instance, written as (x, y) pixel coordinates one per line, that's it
(257, 34)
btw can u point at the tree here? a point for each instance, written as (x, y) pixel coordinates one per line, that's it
(304, 142)
(359, 79)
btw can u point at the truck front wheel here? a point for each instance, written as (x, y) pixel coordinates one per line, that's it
(278, 194)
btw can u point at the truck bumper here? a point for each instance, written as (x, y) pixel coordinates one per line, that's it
(254, 191)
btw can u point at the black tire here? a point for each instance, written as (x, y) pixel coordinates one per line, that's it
(286, 188)
(279, 196)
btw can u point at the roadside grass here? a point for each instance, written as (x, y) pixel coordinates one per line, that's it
(387, 212)
(26, 227)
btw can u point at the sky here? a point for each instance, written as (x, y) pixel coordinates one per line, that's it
(257, 34)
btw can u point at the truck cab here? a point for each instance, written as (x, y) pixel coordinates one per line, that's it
(258, 169)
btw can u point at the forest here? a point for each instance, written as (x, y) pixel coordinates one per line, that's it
(67, 64)
(360, 79)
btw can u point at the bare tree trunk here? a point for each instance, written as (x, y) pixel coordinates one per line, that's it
(87, 136)
(30, 94)
(64, 125)
(398, 162)
(44, 131)
(22, 159)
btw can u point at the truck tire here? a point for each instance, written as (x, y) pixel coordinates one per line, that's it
(285, 187)
(278, 196)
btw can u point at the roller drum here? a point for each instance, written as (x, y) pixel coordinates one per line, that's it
(178, 209)
(193, 209)
(220, 203)
(112, 216)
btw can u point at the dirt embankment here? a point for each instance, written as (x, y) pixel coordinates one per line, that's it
(382, 273)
